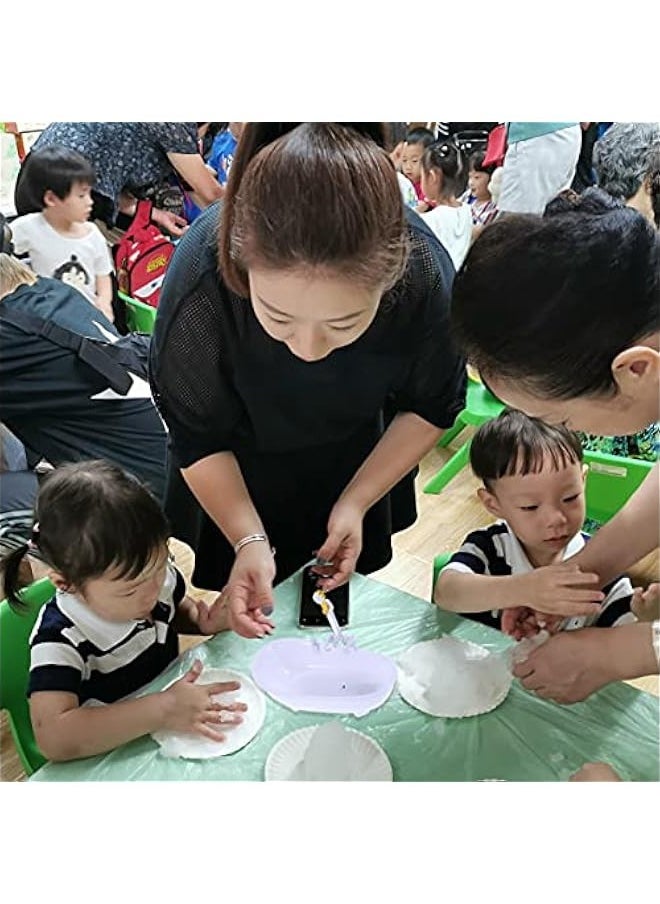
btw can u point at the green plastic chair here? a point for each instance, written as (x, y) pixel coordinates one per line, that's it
(480, 406)
(438, 564)
(15, 630)
(140, 317)
(611, 481)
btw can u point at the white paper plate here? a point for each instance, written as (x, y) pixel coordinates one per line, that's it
(196, 747)
(453, 678)
(289, 751)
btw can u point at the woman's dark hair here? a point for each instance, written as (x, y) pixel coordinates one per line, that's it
(515, 443)
(91, 517)
(653, 176)
(447, 157)
(476, 163)
(422, 136)
(313, 194)
(52, 168)
(551, 302)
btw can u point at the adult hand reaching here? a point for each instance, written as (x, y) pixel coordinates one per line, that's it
(249, 591)
(172, 222)
(569, 666)
(342, 546)
(595, 772)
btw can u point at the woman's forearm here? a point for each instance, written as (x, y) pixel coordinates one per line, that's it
(218, 485)
(402, 446)
(630, 535)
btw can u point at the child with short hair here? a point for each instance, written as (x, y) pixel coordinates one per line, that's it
(444, 179)
(113, 623)
(58, 240)
(533, 482)
(417, 141)
(482, 206)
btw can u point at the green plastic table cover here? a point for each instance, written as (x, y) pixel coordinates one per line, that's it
(524, 739)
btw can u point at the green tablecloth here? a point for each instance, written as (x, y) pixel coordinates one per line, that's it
(524, 739)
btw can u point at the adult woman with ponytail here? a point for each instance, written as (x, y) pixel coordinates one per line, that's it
(302, 362)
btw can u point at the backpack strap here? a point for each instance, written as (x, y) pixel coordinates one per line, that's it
(92, 352)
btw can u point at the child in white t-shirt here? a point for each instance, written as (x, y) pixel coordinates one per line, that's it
(57, 240)
(444, 179)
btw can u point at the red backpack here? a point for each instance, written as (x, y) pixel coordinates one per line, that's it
(142, 257)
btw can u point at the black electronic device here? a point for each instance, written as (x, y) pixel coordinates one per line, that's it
(310, 614)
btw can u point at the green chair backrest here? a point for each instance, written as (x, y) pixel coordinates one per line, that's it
(140, 317)
(15, 630)
(438, 564)
(611, 481)
(480, 404)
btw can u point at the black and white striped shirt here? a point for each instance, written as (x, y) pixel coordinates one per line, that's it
(495, 550)
(75, 651)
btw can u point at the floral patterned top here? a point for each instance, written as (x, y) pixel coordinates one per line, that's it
(129, 156)
(644, 445)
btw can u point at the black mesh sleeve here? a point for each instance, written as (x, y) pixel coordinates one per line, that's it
(188, 368)
(436, 383)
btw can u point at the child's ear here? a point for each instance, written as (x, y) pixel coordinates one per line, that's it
(59, 580)
(50, 198)
(489, 502)
(585, 471)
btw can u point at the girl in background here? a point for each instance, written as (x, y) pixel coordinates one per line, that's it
(444, 179)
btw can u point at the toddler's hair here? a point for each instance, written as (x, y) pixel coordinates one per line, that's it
(91, 517)
(422, 136)
(516, 444)
(14, 274)
(476, 163)
(52, 168)
(446, 156)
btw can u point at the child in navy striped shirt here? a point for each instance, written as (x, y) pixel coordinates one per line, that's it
(113, 623)
(516, 574)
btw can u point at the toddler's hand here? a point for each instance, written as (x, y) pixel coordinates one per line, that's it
(521, 621)
(214, 618)
(646, 603)
(189, 707)
(561, 590)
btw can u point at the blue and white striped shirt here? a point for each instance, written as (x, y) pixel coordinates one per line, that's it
(495, 550)
(75, 651)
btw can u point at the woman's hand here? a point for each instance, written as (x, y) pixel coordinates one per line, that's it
(595, 772)
(249, 591)
(172, 222)
(570, 666)
(343, 544)
(189, 707)
(646, 603)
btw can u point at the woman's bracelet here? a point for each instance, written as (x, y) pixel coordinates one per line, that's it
(252, 538)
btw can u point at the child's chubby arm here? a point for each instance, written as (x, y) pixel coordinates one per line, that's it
(555, 589)
(66, 731)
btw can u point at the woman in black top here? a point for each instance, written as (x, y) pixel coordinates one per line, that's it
(302, 362)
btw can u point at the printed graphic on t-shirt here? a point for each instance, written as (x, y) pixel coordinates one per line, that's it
(73, 273)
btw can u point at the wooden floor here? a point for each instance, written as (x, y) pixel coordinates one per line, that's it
(443, 522)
